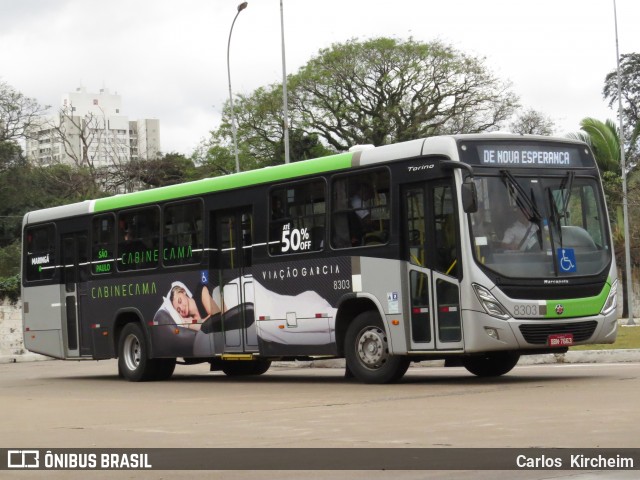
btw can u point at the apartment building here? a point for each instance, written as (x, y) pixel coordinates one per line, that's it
(90, 129)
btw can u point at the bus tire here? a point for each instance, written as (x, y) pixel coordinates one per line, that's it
(238, 368)
(133, 364)
(163, 367)
(491, 364)
(367, 351)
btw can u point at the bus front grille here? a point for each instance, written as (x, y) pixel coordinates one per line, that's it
(538, 334)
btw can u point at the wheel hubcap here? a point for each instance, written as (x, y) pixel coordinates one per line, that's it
(132, 352)
(372, 347)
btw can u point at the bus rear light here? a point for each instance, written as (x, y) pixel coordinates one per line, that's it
(95, 325)
(322, 315)
(417, 310)
(263, 317)
(27, 329)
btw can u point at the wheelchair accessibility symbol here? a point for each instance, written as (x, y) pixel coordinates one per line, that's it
(567, 260)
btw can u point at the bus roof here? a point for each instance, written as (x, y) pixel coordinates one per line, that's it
(441, 145)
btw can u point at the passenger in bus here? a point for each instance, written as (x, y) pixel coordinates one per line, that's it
(193, 308)
(360, 223)
(361, 202)
(277, 212)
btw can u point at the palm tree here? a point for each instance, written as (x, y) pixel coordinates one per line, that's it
(604, 140)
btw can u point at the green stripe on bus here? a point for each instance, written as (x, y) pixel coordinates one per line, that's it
(227, 182)
(578, 307)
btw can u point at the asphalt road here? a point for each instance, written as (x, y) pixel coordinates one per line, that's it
(57, 404)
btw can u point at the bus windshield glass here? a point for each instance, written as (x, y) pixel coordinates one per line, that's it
(540, 226)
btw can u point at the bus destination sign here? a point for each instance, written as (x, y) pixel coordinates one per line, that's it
(509, 154)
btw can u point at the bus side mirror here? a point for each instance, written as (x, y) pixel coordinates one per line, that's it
(469, 196)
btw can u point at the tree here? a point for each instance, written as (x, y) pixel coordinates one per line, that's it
(630, 83)
(17, 113)
(385, 90)
(170, 169)
(377, 92)
(260, 135)
(532, 122)
(604, 140)
(10, 155)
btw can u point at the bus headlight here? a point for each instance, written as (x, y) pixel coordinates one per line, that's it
(612, 299)
(490, 303)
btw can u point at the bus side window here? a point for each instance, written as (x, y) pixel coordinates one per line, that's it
(182, 234)
(360, 210)
(138, 239)
(297, 222)
(40, 252)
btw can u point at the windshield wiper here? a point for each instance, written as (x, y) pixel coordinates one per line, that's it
(525, 204)
(555, 215)
(567, 182)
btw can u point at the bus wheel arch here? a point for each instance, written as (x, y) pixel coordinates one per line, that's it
(348, 310)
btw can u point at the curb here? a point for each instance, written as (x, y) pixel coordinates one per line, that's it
(575, 357)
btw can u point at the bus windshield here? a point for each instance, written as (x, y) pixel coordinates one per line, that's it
(540, 226)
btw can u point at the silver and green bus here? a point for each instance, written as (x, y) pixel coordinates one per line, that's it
(473, 249)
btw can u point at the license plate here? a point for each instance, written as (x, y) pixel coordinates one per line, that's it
(560, 340)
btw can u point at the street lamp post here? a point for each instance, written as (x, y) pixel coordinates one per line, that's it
(623, 167)
(284, 91)
(241, 7)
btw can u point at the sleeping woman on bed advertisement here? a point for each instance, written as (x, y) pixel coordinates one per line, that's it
(198, 319)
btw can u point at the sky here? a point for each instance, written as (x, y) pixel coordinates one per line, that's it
(168, 59)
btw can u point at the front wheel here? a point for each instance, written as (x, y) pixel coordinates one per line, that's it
(491, 364)
(367, 351)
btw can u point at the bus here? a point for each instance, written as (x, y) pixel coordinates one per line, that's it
(472, 249)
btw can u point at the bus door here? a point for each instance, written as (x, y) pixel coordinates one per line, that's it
(75, 264)
(431, 248)
(233, 242)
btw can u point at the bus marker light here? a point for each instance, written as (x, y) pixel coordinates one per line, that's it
(395, 322)
(105, 334)
(176, 331)
(280, 327)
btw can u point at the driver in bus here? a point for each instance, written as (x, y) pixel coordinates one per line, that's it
(519, 235)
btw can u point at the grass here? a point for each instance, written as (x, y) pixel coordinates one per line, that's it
(628, 337)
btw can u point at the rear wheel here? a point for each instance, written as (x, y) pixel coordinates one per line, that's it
(164, 368)
(491, 364)
(235, 368)
(367, 351)
(133, 362)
